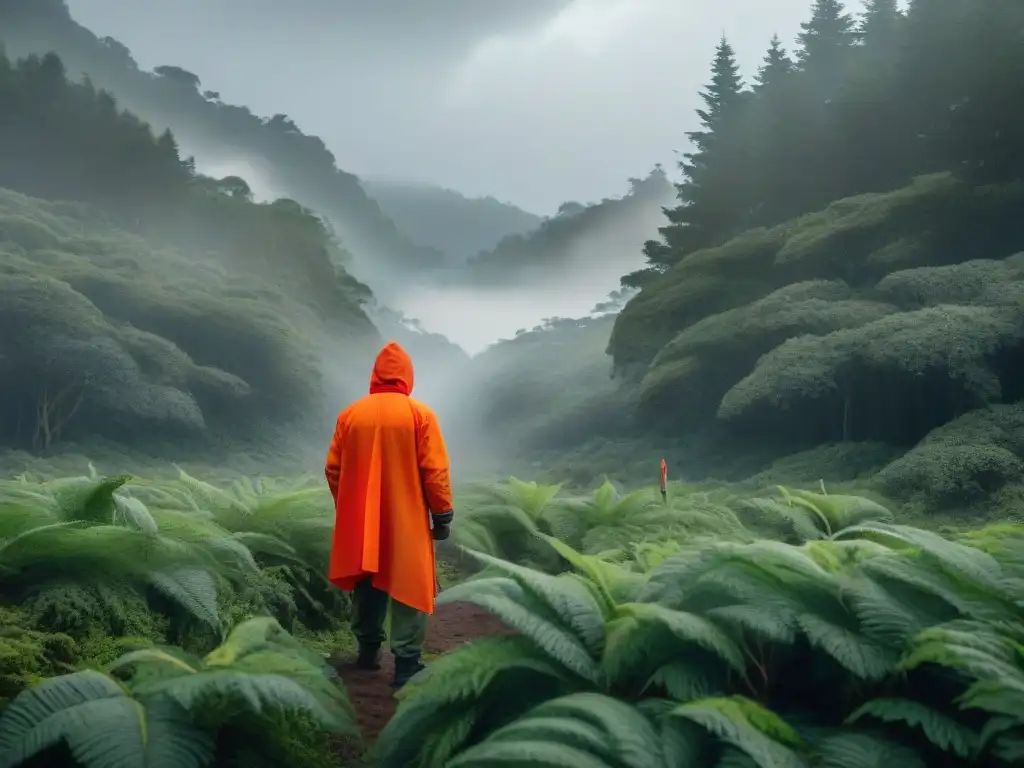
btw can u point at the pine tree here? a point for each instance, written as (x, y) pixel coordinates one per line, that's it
(825, 42)
(879, 24)
(867, 107)
(983, 138)
(710, 193)
(775, 66)
(866, 110)
(830, 27)
(929, 76)
(722, 95)
(778, 129)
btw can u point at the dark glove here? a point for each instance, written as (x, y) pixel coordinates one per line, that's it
(442, 518)
(441, 528)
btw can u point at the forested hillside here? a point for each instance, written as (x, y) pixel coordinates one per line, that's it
(766, 309)
(460, 227)
(839, 278)
(152, 304)
(292, 163)
(579, 239)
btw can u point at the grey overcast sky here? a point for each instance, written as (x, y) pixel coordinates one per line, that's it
(533, 101)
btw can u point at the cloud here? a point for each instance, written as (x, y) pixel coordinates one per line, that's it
(605, 89)
(581, 29)
(443, 27)
(533, 101)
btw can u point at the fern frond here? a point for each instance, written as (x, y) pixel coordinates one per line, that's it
(684, 680)
(643, 637)
(575, 605)
(615, 583)
(102, 726)
(517, 608)
(942, 731)
(858, 653)
(85, 498)
(192, 588)
(967, 563)
(584, 729)
(744, 724)
(494, 677)
(254, 693)
(852, 749)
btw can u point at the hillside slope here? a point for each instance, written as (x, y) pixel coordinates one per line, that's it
(854, 342)
(877, 320)
(291, 163)
(146, 304)
(460, 227)
(581, 242)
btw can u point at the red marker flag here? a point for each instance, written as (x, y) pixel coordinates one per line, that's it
(664, 481)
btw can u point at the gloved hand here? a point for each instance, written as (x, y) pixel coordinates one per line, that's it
(441, 528)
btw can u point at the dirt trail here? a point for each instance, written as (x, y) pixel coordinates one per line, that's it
(371, 692)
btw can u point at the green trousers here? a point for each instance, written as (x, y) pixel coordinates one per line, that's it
(370, 611)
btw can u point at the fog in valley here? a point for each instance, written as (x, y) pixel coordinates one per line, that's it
(453, 97)
(511, 199)
(486, 183)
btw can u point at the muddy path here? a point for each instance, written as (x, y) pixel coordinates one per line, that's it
(371, 692)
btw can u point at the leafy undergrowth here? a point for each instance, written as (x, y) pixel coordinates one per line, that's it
(502, 519)
(176, 622)
(98, 570)
(870, 643)
(163, 707)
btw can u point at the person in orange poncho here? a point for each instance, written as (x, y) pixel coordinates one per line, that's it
(389, 474)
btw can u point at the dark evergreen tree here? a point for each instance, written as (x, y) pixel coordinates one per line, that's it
(865, 117)
(723, 93)
(708, 194)
(825, 41)
(930, 77)
(879, 25)
(866, 107)
(775, 66)
(778, 133)
(985, 137)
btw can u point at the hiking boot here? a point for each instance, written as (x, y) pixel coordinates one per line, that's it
(369, 657)
(406, 667)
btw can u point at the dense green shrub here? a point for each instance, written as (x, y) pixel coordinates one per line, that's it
(157, 303)
(832, 463)
(892, 379)
(651, 610)
(962, 462)
(145, 348)
(98, 568)
(720, 653)
(28, 655)
(162, 707)
(878, 318)
(693, 371)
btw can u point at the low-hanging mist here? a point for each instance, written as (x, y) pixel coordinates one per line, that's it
(575, 260)
(509, 348)
(563, 269)
(474, 319)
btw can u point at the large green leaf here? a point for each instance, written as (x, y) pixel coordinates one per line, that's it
(102, 726)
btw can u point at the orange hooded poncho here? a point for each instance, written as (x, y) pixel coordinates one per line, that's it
(387, 467)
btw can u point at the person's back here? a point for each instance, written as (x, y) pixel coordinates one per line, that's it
(388, 472)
